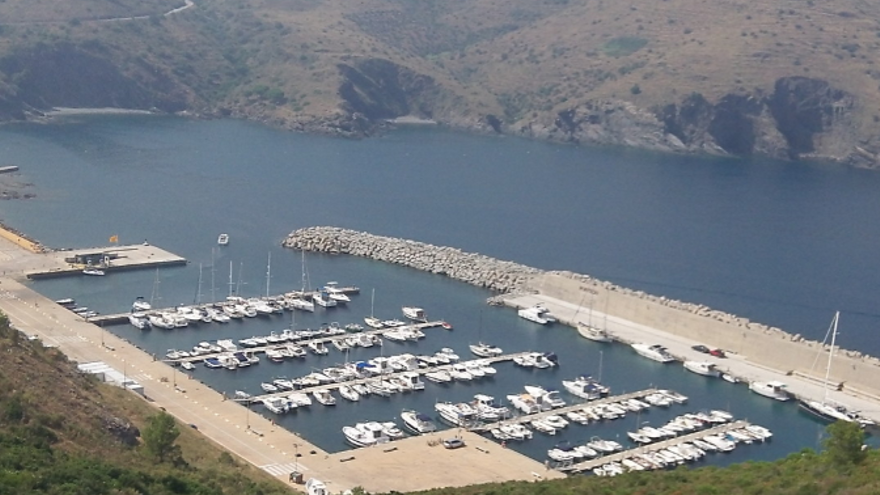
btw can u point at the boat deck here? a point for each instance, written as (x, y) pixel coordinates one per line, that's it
(562, 410)
(619, 456)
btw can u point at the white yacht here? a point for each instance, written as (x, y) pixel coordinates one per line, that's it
(417, 422)
(140, 304)
(456, 414)
(414, 313)
(365, 434)
(223, 239)
(485, 350)
(656, 352)
(537, 314)
(585, 387)
(704, 368)
(772, 389)
(139, 321)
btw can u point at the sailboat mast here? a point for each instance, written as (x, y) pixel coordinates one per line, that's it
(199, 287)
(213, 284)
(831, 352)
(230, 278)
(268, 272)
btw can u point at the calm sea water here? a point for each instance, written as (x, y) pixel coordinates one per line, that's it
(782, 243)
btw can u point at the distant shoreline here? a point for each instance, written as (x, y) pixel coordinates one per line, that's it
(65, 111)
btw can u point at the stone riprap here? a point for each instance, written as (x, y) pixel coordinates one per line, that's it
(473, 268)
(509, 279)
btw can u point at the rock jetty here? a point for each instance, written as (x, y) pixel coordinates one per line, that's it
(475, 269)
(506, 277)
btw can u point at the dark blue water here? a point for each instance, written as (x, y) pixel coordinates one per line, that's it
(781, 243)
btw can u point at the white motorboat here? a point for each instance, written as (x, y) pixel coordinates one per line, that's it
(322, 298)
(585, 387)
(556, 421)
(460, 373)
(485, 350)
(93, 272)
(548, 399)
(324, 397)
(300, 399)
(315, 486)
(365, 434)
(160, 321)
(349, 393)
(516, 431)
(187, 365)
(593, 333)
(417, 422)
(276, 405)
(438, 376)
(373, 322)
(524, 403)
(140, 304)
(415, 314)
(223, 239)
(604, 445)
(456, 414)
(537, 314)
(318, 347)
(655, 352)
(542, 426)
(704, 368)
(301, 304)
(139, 321)
(334, 292)
(772, 389)
(488, 409)
(391, 430)
(269, 387)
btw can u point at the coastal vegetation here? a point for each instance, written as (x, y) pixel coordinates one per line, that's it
(786, 79)
(62, 432)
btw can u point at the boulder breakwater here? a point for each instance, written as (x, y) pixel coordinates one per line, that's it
(766, 345)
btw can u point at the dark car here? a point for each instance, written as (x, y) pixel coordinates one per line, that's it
(701, 348)
(717, 353)
(453, 443)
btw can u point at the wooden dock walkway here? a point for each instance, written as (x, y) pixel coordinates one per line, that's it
(619, 456)
(420, 371)
(302, 342)
(562, 410)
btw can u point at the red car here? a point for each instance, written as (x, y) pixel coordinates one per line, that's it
(717, 353)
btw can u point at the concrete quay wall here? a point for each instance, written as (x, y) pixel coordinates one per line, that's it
(760, 344)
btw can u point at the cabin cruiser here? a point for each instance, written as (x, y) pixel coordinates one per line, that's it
(139, 320)
(549, 399)
(525, 403)
(417, 422)
(323, 299)
(485, 350)
(704, 368)
(585, 387)
(365, 434)
(414, 313)
(140, 304)
(457, 414)
(772, 389)
(488, 410)
(537, 314)
(655, 352)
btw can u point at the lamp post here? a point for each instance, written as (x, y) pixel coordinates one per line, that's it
(296, 456)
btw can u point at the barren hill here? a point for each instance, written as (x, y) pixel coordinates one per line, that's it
(786, 78)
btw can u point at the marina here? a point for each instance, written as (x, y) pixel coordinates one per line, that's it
(262, 216)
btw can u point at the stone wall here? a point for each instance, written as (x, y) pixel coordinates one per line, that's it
(763, 345)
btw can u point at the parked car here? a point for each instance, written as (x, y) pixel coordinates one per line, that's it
(717, 353)
(701, 348)
(453, 443)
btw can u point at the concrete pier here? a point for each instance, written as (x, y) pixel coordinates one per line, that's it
(109, 259)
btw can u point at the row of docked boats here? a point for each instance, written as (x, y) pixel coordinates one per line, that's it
(687, 451)
(685, 423)
(369, 433)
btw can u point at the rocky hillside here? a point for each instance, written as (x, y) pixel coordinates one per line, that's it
(788, 78)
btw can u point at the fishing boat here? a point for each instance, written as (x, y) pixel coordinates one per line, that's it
(417, 422)
(223, 239)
